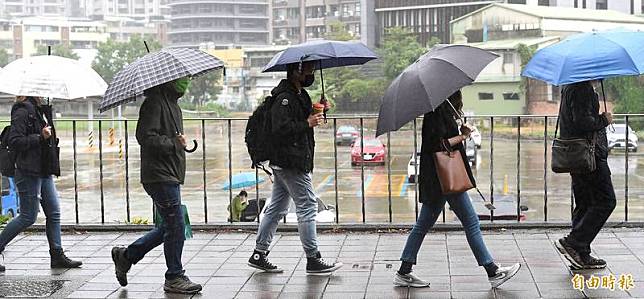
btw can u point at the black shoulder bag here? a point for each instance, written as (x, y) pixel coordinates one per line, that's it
(573, 155)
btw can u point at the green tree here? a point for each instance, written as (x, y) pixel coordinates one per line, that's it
(399, 49)
(58, 50)
(525, 54)
(205, 88)
(627, 92)
(338, 31)
(335, 79)
(113, 55)
(4, 57)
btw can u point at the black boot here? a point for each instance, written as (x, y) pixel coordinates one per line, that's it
(317, 266)
(60, 260)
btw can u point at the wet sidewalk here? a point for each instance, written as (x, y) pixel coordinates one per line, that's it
(218, 261)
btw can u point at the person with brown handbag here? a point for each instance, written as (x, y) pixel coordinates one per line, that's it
(445, 177)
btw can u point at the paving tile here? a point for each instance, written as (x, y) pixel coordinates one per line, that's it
(90, 294)
(257, 295)
(473, 295)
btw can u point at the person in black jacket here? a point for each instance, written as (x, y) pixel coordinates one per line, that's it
(163, 168)
(292, 123)
(594, 194)
(33, 137)
(440, 130)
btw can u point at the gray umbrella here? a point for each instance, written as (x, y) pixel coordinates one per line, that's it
(425, 84)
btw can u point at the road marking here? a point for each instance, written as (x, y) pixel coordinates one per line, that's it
(327, 181)
(403, 185)
(367, 183)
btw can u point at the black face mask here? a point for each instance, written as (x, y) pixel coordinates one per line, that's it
(308, 80)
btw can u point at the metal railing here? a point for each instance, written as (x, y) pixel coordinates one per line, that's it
(516, 125)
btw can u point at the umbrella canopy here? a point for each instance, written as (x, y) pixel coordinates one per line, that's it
(244, 180)
(329, 53)
(426, 83)
(50, 76)
(589, 56)
(155, 69)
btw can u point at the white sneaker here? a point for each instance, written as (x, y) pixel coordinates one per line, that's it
(409, 280)
(503, 274)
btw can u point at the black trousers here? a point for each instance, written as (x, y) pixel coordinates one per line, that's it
(595, 201)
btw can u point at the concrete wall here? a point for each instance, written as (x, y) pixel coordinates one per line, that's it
(497, 106)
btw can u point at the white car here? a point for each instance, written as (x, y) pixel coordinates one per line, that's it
(470, 150)
(326, 213)
(476, 137)
(617, 139)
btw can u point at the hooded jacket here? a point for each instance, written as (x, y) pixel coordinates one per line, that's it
(293, 139)
(36, 156)
(163, 159)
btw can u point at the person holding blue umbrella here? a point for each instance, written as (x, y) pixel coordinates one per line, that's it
(580, 63)
(595, 200)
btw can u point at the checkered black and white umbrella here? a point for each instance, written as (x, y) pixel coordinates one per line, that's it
(155, 69)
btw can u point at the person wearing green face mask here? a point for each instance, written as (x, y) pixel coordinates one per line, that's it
(182, 85)
(163, 170)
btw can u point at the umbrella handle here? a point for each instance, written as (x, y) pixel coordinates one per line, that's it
(194, 147)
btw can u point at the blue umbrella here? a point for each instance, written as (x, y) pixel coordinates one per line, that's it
(329, 53)
(243, 180)
(589, 56)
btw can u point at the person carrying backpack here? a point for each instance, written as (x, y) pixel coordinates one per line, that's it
(291, 120)
(32, 137)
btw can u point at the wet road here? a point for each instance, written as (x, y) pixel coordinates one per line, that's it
(350, 199)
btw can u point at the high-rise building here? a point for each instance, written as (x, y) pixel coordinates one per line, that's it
(633, 7)
(226, 23)
(49, 8)
(137, 9)
(296, 21)
(431, 18)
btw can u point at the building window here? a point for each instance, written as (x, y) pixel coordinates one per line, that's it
(486, 96)
(510, 96)
(508, 58)
(517, 1)
(601, 4)
(544, 2)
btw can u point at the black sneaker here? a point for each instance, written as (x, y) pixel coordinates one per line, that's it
(590, 263)
(317, 266)
(60, 261)
(181, 285)
(121, 264)
(259, 260)
(569, 253)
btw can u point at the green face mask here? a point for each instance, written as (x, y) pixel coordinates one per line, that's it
(182, 85)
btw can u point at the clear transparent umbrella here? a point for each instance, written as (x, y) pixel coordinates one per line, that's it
(51, 76)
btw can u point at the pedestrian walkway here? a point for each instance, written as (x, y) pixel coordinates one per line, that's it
(218, 261)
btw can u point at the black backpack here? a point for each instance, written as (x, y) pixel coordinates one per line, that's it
(258, 134)
(7, 156)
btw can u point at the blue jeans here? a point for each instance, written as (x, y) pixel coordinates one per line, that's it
(29, 187)
(167, 201)
(429, 212)
(291, 183)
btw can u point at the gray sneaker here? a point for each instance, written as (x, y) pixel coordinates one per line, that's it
(409, 280)
(503, 274)
(181, 285)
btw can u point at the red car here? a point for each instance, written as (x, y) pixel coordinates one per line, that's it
(375, 152)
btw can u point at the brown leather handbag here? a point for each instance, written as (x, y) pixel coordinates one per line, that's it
(451, 171)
